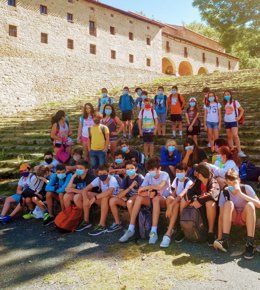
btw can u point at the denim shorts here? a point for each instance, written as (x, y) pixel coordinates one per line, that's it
(16, 197)
(212, 125)
(97, 158)
(229, 125)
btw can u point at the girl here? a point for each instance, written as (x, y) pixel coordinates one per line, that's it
(212, 118)
(85, 122)
(233, 113)
(114, 124)
(192, 117)
(60, 132)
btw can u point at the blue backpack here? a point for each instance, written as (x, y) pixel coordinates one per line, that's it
(145, 222)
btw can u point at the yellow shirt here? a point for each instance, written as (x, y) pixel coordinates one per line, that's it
(98, 140)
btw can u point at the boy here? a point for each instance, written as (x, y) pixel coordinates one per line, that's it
(127, 194)
(180, 185)
(155, 188)
(148, 123)
(77, 154)
(105, 99)
(55, 189)
(49, 161)
(176, 103)
(161, 108)
(118, 167)
(126, 105)
(108, 187)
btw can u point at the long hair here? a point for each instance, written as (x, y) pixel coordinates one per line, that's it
(230, 154)
(207, 99)
(231, 99)
(194, 156)
(57, 117)
(85, 113)
(113, 114)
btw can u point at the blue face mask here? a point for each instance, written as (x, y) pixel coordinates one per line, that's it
(231, 189)
(211, 99)
(80, 172)
(119, 161)
(61, 175)
(180, 175)
(153, 173)
(108, 111)
(124, 149)
(171, 148)
(160, 93)
(227, 98)
(139, 93)
(104, 95)
(174, 92)
(130, 172)
(192, 104)
(144, 97)
(218, 158)
(125, 93)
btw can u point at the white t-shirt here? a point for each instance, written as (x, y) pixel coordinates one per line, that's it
(230, 115)
(105, 186)
(212, 112)
(86, 124)
(148, 123)
(230, 164)
(24, 180)
(149, 180)
(180, 187)
(54, 164)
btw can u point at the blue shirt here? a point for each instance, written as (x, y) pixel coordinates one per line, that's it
(58, 185)
(167, 160)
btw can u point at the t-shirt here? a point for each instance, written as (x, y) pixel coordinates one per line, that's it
(148, 122)
(24, 180)
(212, 112)
(127, 181)
(222, 171)
(54, 164)
(180, 187)
(103, 101)
(105, 186)
(175, 105)
(97, 137)
(139, 103)
(160, 104)
(164, 176)
(35, 183)
(132, 155)
(230, 115)
(86, 124)
(191, 116)
(238, 202)
(82, 183)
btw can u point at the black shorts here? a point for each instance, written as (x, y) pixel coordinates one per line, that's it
(127, 116)
(195, 131)
(176, 118)
(148, 138)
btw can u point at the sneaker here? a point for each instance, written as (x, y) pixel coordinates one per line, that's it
(249, 252)
(241, 154)
(1, 217)
(165, 243)
(127, 236)
(47, 219)
(6, 219)
(98, 230)
(153, 238)
(114, 227)
(258, 249)
(83, 226)
(179, 238)
(221, 245)
(211, 239)
(28, 216)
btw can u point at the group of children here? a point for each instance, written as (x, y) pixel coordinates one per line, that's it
(176, 180)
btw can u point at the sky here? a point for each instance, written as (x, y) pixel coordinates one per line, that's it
(168, 11)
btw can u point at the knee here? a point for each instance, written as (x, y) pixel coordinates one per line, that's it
(112, 202)
(156, 200)
(228, 206)
(250, 207)
(130, 203)
(48, 195)
(8, 200)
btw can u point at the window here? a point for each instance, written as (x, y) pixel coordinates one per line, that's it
(185, 52)
(229, 65)
(70, 1)
(69, 17)
(43, 9)
(130, 21)
(112, 15)
(203, 57)
(148, 62)
(12, 3)
(131, 58)
(44, 38)
(70, 43)
(148, 41)
(92, 49)
(112, 30)
(131, 36)
(168, 48)
(92, 28)
(113, 54)
(148, 27)
(13, 30)
(217, 62)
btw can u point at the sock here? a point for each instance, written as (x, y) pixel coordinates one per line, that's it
(154, 230)
(225, 236)
(180, 133)
(174, 133)
(131, 228)
(250, 240)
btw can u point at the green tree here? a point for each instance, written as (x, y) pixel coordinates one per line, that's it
(204, 30)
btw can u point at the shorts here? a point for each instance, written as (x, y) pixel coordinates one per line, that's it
(195, 131)
(229, 125)
(162, 118)
(84, 139)
(17, 197)
(127, 116)
(69, 142)
(212, 125)
(239, 221)
(176, 117)
(148, 138)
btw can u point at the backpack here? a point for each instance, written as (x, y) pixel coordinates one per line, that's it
(192, 225)
(242, 119)
(135, 130)
(127, 108)
(69, 219)
(158, 105)
(99, 102)
(62, 155)
(145, 222)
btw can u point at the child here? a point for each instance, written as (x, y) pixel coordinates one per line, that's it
(212, 118)
(55, 189)
(180, 185)
(118, 167)
(148, 123)
(205, 93)
(108, 187)
(161, 108)
(49, 161)
(126, 105)
(127, 194)
(104, 100)
(193, 122)
(176, 103)
(77, 155)
(237, 206)
(139, 99)
(233, 113)
(85, 122)
(155, 188)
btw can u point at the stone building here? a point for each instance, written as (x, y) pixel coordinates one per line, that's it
(53, 50)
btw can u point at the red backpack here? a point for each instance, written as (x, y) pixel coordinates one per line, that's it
(242, 119)
(69, 219)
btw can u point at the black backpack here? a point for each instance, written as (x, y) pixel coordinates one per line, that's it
(135, 130)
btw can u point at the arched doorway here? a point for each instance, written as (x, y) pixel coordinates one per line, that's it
(185, 69)
(168, 66)
(202, 71)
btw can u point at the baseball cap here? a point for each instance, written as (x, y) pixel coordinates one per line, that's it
(24, 166)
(192, 99)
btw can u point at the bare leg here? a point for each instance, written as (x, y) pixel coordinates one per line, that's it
(230, 138)
(173, 219)
(68, 198)
(158, 203)
(211, 215)
(229, 214)
(140, 200)
(61, 196)
(78, 200)
(249, 216)
(130, 204)
(113, 204)
(8, 201)
(151, 150)
(236, 138)
(146, 148)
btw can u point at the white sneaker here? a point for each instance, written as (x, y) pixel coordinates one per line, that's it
(153, 238)
(165, 242)
(241, 154)
(128, 234)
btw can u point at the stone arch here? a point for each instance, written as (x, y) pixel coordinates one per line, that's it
(185, 69)
(202, 71)
(168, 66)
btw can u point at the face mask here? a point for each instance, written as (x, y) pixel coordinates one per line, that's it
(24, 174)
(211, 99)
(104, 95)
(180, 175)
(160, 93)
(125, 93)
(130, 172)
(192, 104)
(124, 149)
(108, 112)
(171, 148)
(119, 161)
(97, 121)
(147, 106)
(231, 189)
(61, 175)
(144, 97)
(152, 173)
(189, 148)
(76, 157)
(103, 177)
(139, 93)
(218, 158)
(80, 172)
(48, 160)
(227, 98)
(174, 92)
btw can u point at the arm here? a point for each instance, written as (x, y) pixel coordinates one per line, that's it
(205, 119)
(71, 186)
(158, 187)
(65, 184)
(140, 127)
(120, 126)
(53, 133)
(187, 156)
(219, 118)
(155, 125)
(241, 112)
(107, 142)
(187, 119)
(124, 192)
(195, 119)
(19, 189)
(106, 193)
(70, 131)
(79, 131)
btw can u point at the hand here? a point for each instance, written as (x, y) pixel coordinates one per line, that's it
(141, 134)
(134, 184)
(105, 149)
(236, 187)
(168, 213)
(151, 193)
(189, 152)
(205, 128)
(114, 134)
(196, 204)
(190, 128)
